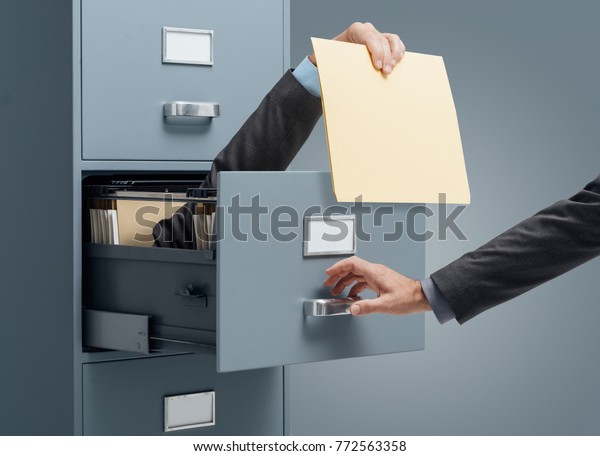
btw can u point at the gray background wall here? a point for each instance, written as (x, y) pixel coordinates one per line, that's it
(525, 81)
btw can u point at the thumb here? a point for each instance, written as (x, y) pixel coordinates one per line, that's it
(366, 306)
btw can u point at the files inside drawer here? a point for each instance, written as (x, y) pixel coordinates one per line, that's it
(136, 296)
(146, 211)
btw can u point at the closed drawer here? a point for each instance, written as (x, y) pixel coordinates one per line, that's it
(125, 83)
(258, 283)
(127, 397)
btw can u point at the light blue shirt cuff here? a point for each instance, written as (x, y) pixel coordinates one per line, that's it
(438, 302)
(307, 75)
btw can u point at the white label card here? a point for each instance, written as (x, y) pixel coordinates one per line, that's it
(189, 411)
(187, 46)
(329, 235)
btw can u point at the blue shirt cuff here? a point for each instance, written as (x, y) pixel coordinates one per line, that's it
(307, 75)
(438, 302)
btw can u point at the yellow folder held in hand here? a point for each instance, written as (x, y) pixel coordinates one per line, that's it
(391, 138)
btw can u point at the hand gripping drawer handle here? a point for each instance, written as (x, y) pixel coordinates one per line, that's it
(328, 307)
(190, 109)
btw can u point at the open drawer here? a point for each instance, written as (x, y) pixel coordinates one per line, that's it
(142, 299)
(248, 301)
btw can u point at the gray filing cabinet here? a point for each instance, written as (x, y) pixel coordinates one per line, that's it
(110, 89)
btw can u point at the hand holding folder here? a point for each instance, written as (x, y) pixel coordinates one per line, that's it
(392, 138)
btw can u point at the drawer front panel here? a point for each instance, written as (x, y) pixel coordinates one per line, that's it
(127, 397)
(263, 281)
(125, 83)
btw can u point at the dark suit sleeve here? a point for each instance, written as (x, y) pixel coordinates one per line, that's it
(552, 242)
(268, 141)
(272, 136)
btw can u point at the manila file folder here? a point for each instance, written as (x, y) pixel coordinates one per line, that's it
(392, 138)
(138, 217)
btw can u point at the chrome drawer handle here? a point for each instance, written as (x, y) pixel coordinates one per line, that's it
(190, 109)
(328, 307)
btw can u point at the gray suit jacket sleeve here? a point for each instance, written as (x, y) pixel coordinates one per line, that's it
(268, 141)
(552, 242)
